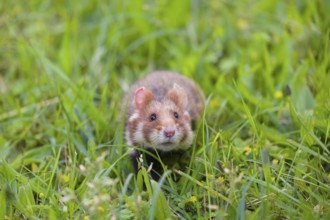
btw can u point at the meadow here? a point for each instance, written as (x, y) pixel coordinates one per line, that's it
(262, 149)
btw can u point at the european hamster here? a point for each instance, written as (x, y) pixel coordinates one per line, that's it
(160, 111)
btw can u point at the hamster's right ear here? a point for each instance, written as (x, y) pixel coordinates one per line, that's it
(178, 95)
(142, 97)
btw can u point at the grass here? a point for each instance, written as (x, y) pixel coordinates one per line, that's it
(262, 151)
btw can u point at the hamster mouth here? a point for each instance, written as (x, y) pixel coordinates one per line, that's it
(167, 143)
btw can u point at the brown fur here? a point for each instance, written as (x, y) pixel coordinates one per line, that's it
(164, 94)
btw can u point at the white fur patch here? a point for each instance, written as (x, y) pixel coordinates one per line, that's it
(134, 116)
(128, 138)
(138, 135)
(188, 142)
(154, 138)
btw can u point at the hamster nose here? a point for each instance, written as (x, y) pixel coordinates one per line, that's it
(169, 131)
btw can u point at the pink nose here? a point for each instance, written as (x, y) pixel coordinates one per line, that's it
(169, 132)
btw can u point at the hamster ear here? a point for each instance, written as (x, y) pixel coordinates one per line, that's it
(142, 97)
(178, 95)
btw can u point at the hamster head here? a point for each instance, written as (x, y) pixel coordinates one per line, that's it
(164, 125)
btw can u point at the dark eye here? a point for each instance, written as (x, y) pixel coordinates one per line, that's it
(152, 117)
(176, 115)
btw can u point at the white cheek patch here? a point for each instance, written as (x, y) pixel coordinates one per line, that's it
(178, 136)
(155, 138)
(128, 138)
(189, 140)
(138, 135)
(133, 117)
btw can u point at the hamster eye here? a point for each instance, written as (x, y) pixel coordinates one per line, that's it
(176, 115)
(152, 117)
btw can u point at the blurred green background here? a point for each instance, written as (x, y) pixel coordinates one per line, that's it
(52, 47)
(65, 65)
(95, 49)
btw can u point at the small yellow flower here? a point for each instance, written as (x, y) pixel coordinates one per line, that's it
(254, 55)
(242, 23)
(86, 217)
(65, 178)
(193, 199)
(34, 167)
(247, 150)
(275, 161)
(41, 195)
(220, 180)
(278, 95)
(214, 103)
(210, 176)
